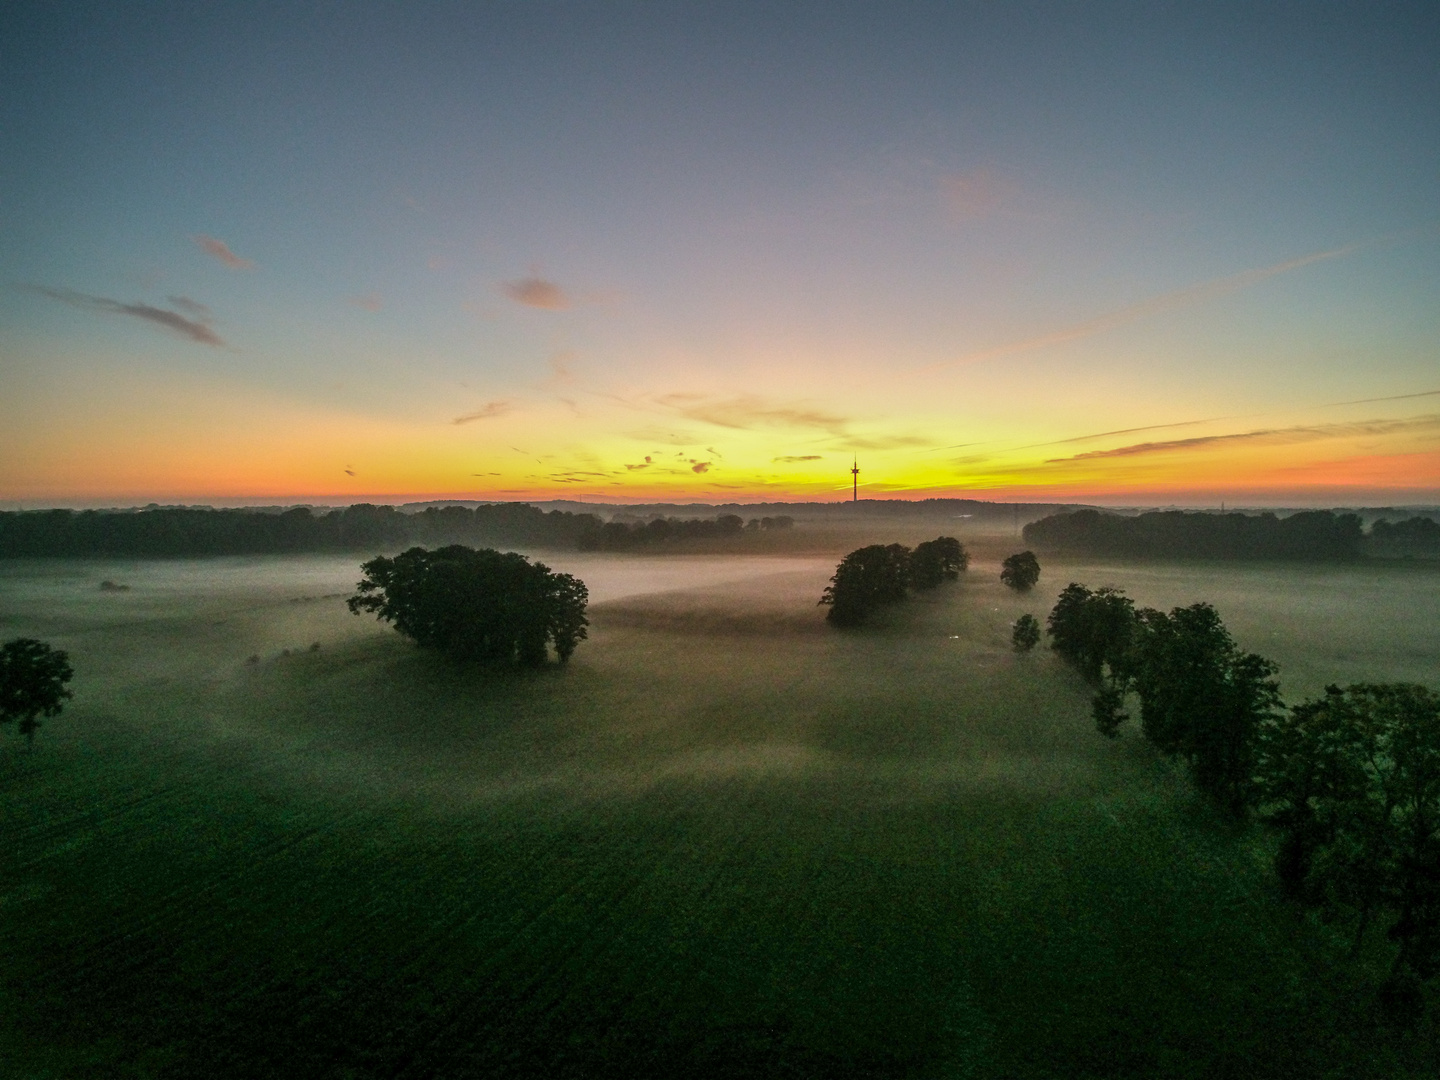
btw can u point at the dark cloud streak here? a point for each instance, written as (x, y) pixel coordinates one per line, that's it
(1373, 400)
(536, 292)
(218, 249)
(1277, 436)
(196, 329)
(486, 412)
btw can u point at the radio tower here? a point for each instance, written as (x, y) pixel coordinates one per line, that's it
(854, 480)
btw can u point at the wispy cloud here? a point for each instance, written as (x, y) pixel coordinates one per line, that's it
(1373, 400)
(747, 411)
(700, 466)
(974, 194)
(218, 249)
(642, 465)
(488, 411)
(1122, 431)
(885, 442)
(1273, 436)
(193, 308)
(196, 327)
(369, 301)
(537, 292)
(791, 458)
(1171, 301)
(562, 367)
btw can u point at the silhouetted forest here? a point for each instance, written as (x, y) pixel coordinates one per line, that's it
(626, 536)
(364, 527)
(1414, 536)
(1311, 535)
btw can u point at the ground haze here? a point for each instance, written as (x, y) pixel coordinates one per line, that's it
(725, 840)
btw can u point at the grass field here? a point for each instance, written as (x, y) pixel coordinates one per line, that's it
(726, 841)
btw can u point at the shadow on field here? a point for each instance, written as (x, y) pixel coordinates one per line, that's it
(331, 1020)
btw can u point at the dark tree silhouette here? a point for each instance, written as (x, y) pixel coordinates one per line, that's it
(1021, 571)
(1026, 634)
(936, 561)
(32, 683)
(866, 579)
(1201, 697)
(1312, 534)
(1352, 782)
(476, 605)
(1091, 630)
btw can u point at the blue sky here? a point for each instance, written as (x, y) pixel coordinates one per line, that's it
(721, 235)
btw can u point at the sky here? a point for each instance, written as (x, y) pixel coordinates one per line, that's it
(1118, 253)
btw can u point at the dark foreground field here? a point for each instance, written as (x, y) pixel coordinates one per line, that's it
(726, 842)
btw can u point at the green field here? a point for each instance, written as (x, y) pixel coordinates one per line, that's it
(726, 841)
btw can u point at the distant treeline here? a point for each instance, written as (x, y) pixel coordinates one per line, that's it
(1415, 536)
(1312, 535)
(625, 536)
(363, 527)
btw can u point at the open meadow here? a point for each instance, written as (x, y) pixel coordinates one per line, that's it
(727, 840)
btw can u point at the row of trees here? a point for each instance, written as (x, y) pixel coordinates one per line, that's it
(1313, 535)
(1413, 536)
(871, 577)
(628, 535)
(172, 531)
(1350, 781)
(185, 531)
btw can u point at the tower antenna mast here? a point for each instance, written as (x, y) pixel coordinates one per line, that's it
(854, 480)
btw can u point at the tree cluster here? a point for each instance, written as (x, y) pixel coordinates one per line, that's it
(1312, 535)
(1202, 698)
(1351, 781)
(880, 574)
(476, 605)
(32, 683)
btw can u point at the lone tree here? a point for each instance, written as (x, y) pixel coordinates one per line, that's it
(1021, 571)
(32, 683)
(866, 579)
(1026, 634)
(476, 605)
(936, 561)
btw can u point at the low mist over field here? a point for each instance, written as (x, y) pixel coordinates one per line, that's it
(726, 838)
